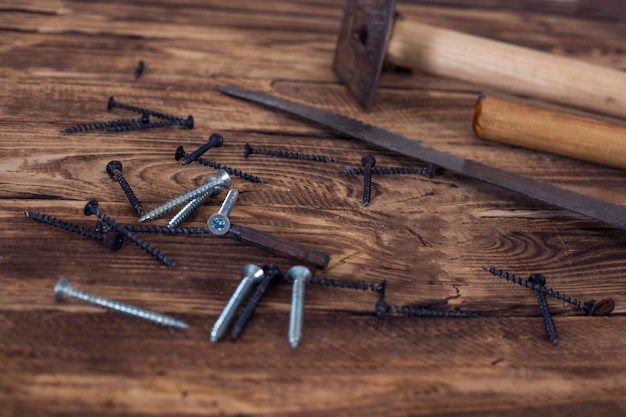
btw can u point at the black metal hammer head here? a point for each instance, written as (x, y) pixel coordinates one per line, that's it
(362, 45)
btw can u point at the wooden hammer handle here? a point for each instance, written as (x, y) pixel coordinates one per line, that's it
(527, 125)
(508, 67)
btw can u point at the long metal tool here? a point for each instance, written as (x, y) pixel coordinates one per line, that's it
(609, 213)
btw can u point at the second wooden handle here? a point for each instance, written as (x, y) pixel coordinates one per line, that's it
(521, 124)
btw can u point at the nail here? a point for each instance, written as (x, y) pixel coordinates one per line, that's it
(271, 272)
(368, 161)
(114, 169)
(250, 275)
(193, 205)
(215, 141)
(91, 208)
(301, 276)
(112, 104)
(103, 125)
(139, 69)
(223, 180)
(540, 280)
(249, 150)
(180, 153)
(188, 123)
(428, 171)
(63, 290)
(219, 223)
(589, 307)
(115, 242)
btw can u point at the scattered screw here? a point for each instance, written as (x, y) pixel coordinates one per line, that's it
(589, 307)
(114, 169)
(354, 285)
(103, 125)
(219, 223)
(63, 290)
(368, 161)
(300, 276)
(180, 153)
(250, 275)
(115, 242)
(428, 171)
(193, 205)
(91, 208)
(223, 180)
(540, 280)
(249, 150)
(139, 69)
(188, 123)
(112, 104)
(425, 312)
(215, 141)
(271, 272)
(163, 230)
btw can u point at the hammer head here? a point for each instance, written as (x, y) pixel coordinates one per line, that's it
(362, 45)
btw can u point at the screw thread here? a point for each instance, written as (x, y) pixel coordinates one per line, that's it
(128, 191)
(139, 69)
(367, 185)
(215, 140)
(74, 228)
(524, 283)
(427, 171)
(134, 238)
(424, 312)
(188, 210)
(164, 230)
(297, 311)
(354, 285)
(68, 291)
(232, 171)
(112, 103)
(547, 317)
(104, 125)
(290, 155)
(169, 205)
(220, 326)
(229, 202)
(128, 127)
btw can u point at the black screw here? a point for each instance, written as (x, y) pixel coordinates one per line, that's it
(425, 312)
(271, 272)
(114, 169)
(161, 230)
(104, 125)
(589, 307)
(180, 153)
(91, 208)
(188, 123)
(540, 280)
(428, 171)
(115, 242)
(112, 104)
(353, 285)
(249, 150)
(368, 161)
(139, 69)
(215, 141)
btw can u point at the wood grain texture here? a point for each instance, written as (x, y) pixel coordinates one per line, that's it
(61, 60)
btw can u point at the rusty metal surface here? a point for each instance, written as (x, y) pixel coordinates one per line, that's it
(609, 213)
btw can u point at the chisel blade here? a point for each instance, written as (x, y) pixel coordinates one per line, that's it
(609, 213)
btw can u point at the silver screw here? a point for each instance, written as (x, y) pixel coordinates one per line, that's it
(63, 289)
(193, 205)
(250, 275)
(219, 223)
(301, 276)
(223, 180)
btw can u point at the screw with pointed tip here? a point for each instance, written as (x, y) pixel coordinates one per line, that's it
(193, 205)
(368, 161)
(219, 223)
(540, 280)
(139, 69)
(249, 150)
(250, 275)
(300, 275)
(63, 290)
(91, 208)
(271, 272)
(428, 171)
(114, 169)
(112, 104)
(223, 180)
(180, 153)
(188, 123)
(104, 125)
(215, 141)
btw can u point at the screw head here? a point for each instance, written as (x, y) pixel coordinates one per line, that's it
(118, 241)
(538, 279)
(145, 118)
(272, 270)
(368, 159)
(113, 166)
(247, 150)
(216, 139)
(218, 224)
(180, 153)
(252, 272)
(189, 122)
(91, 208)
(110, 103)
(224, 178)
(60, 289)
(301, 272)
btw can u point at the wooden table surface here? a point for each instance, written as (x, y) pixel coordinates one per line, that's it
(428, 238)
